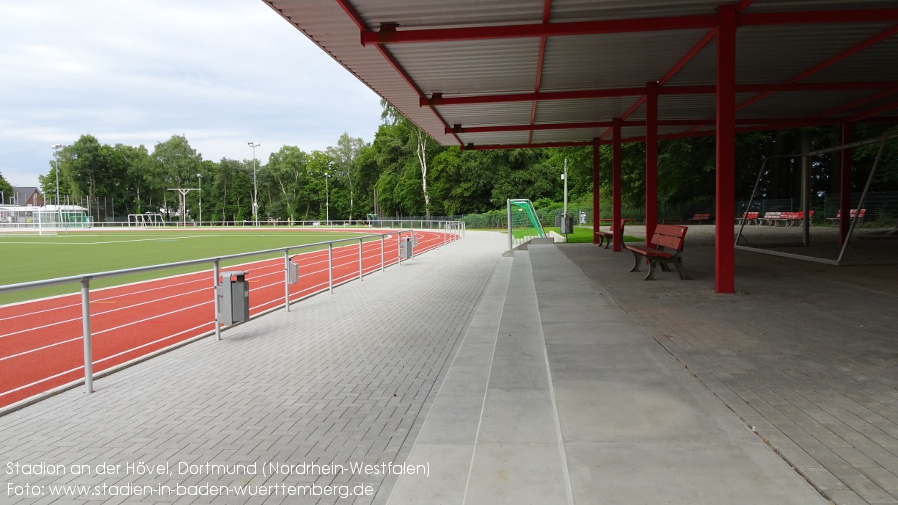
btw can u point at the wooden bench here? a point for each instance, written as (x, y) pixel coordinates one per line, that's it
(607, 237)
(669, 239)
(698, 218)
(851, 214)
(749, 217)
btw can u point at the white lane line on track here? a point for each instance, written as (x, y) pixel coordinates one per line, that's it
(107, 330)
(4, 393)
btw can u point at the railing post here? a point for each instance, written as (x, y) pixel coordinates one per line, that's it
(287, 280)
(361, 266)
(330, 267)
(399, 248)
(215, 289)
(85, 324)
(412, 239)
(383, 247)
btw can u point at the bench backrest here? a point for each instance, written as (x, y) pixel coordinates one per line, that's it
(701, 216)
(750, 215)
(851, 213)
(669, 235)
(773, 214)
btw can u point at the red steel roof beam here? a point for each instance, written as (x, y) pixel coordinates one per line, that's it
(694, 22)
(673, 71)
(858, 102)
(547, 9)
(828, 63)
(818, 17)
(363, 25)
(537, 30)
(438, 99)
(872, 112)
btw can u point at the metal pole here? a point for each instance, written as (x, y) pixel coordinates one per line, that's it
(399, 248)
(383, 258)
(287, 280)
(85, 324)
(200, 176)
(254, 145)
(216, 289)
(361, 266)
(56, 161)
(510, 238)
(330, 267)
(411, 239)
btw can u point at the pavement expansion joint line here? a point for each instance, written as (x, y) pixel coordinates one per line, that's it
(483, 403)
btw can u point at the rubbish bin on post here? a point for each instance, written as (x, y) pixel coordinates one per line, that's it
(565, 223)
(233, 298)
(292, 272)
(406, 248)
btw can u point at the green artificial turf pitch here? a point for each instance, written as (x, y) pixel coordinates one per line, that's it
(31, 257)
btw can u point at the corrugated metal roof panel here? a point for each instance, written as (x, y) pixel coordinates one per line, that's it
(574, 111)
(613, 60)
(486, 114)
(443, 14)
(486, 66)
(800, 105)
(582, 10)
(797, 49)
(773, 54)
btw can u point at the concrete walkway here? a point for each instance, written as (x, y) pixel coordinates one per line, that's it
(553, 376)
(565, 399)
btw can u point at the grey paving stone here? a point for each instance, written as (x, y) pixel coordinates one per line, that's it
(341, 376)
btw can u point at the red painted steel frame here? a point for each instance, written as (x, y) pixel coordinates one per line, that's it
(651, 161)
(724, 257)
(596, 187)
(616, 156)
(845, 184)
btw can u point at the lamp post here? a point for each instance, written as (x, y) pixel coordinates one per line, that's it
(200, 177)
(56, 161)
(327, 202)
(254, 145)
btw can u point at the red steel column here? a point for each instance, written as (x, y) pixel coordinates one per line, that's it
(724, 258)
(845, 185)
(651, 161)
(596, 186)
(616, 184)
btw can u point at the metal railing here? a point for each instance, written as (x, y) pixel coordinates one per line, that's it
(451, 231)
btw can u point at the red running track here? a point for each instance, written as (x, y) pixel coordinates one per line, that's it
(41, 345)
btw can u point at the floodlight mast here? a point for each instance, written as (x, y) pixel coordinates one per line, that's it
(200, 177)
(254, 145)
(56, 161)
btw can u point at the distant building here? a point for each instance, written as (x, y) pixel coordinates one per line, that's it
(26, 196)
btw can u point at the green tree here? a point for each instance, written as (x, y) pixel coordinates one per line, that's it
(175, 166)
(345, 164)
(6, 188)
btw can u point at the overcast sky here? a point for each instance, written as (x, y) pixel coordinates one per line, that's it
(220, 72)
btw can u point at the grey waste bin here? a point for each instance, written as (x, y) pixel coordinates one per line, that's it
(565, 223)
(406, 248)
(233, 297)
(293, 272)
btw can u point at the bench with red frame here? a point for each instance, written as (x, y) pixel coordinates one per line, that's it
(852, 212)
(607, 237)
(773, 218)
(749, 217)
(698, 218)
(669, 239)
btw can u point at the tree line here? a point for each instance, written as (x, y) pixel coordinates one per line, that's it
(404, 172)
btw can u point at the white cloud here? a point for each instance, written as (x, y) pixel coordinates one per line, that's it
(221, 72)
